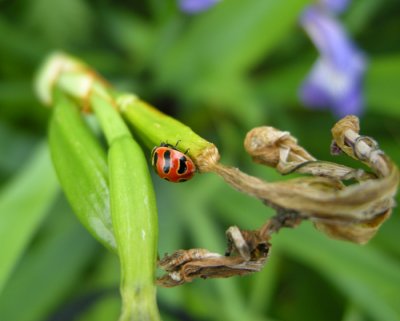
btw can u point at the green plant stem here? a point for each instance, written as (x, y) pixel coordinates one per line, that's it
(84, 86)
(154, 127)
(134, 215)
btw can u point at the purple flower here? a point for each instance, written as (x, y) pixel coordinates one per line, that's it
(335, 80)
(194, 6)
(335, 5)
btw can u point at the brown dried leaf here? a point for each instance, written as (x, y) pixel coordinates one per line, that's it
(275, 148)
(247, 253)
(344, 212)
(360, 232)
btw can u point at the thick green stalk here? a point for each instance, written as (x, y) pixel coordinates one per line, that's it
(80, 82)
(155, 127)
(134, 215)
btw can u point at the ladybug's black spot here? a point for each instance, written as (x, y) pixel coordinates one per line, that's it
(182, 180)
(166, 178)
(167, 162)
(182, 165)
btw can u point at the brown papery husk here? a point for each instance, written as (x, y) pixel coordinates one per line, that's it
(353, 212)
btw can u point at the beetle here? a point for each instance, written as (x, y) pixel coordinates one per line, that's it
(171, 164)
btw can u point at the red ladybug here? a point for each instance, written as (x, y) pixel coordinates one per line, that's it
(171, 164)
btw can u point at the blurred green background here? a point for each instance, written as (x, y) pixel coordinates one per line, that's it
(222, 72)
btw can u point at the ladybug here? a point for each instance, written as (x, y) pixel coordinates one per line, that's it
(171, 164)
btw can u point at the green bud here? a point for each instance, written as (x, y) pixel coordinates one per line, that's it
(154, 127)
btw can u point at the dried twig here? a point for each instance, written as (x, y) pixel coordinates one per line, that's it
(247, 252)
(350, 212)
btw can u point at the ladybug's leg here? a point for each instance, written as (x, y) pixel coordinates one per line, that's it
(176, 145)
(166, 144)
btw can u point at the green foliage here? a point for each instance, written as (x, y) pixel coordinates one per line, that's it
(369, 277)
(221, 72)
(210, 49)
(52, 263)
(36, 185)
(81, 166)
(66, 21)
(382, 93)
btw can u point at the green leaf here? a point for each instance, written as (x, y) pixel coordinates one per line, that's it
(49, 271)
(137, 44)
(382, 85)
(367, 276)
(106, 308)
(15, 146)
(279, 88)
(66, 21)
(81, 166)
(104, 279)
(14, 45)
(229, 39)
(23, 205)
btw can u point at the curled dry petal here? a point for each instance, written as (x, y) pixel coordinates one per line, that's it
(272, 147)
(275, 148)
(363, 148)
(247, 253)
(352, 212)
